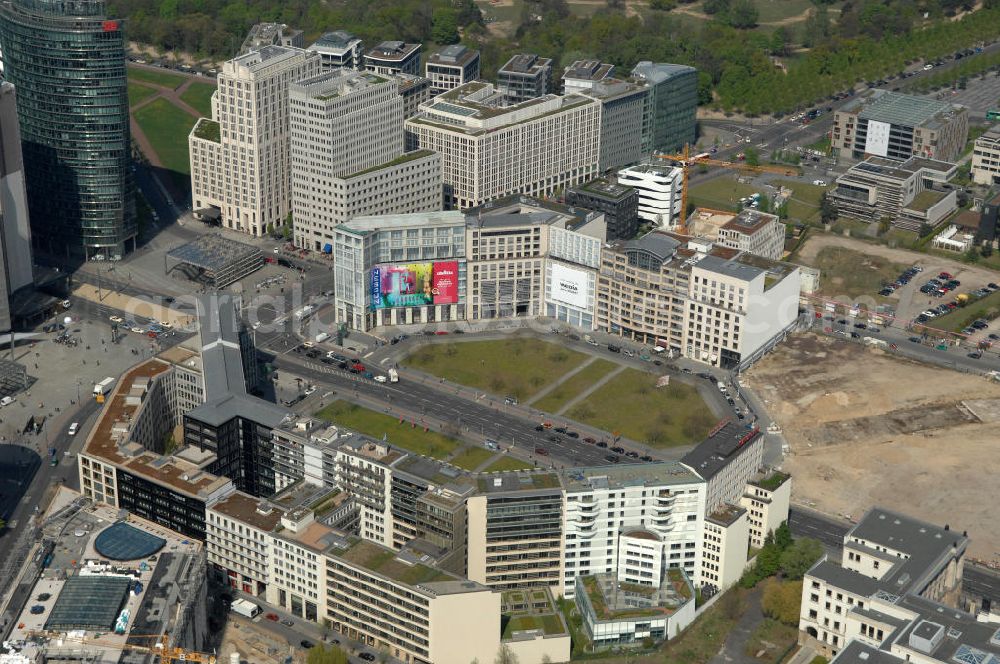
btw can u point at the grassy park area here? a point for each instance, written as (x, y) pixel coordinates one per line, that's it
(137, 92)
(164, 78)
(721, 193)
(852, 274)
(804, 203)
(199, 96)
(631, 405)
(415, 439)
(574, 386)
(516, 367)
(167, 128)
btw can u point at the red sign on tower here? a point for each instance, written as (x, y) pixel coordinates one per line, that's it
(110, 26)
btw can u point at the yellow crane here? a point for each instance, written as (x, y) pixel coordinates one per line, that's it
(686, 161)
(160, 647)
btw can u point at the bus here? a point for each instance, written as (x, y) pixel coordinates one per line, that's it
(993, 114)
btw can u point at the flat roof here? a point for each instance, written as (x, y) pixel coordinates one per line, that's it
(521, 210)
(214, 252)
(900, 109)
(453, 54)
(260, 57)
(657, 72)
(121, 541)
(255, 512)
(404, 567)
(721, 448)
(89, 603)
(517, 481)
(371, 223)
(336, 83)
(859, 652)
(729, 267)
(525, 63)
(392, 51)
(659, 473)
(749, 221)
(604, 188)
(726, 515)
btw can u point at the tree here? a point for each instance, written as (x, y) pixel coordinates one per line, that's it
(505, 655)
(715, 6)
(324, 654)
(800, 556)
(662, 5)
(783, 536)
(780, 40)
(742, 14)
(444, 26)
(752, 157)
(925, 229)
(782, 601)
(828, 212)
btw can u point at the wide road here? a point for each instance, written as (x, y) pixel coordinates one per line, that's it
(977, 581)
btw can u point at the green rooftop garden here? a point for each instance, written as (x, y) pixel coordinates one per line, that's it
(549, 623)
(604, 609)
(402, 159)
(528, 610)
(772, 481)
(208, 130)
(925, 200)
(383, 561)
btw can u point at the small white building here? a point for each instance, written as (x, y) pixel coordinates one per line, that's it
(659, 188)
(725, 547)
(766, 500)
(954, 239)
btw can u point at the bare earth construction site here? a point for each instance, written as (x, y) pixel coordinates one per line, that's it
(869, 428)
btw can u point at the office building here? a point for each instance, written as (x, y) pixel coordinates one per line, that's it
(880, 123)
(619, 203)
(908, 193)
(652, 512)
(305, 450)
(400, 269)
(528, 257)
(726, 540)
(414, 90)
(757, 233)
(893, 593)
(67, 62)
(584, 75)
(237, 540)
(338, 50)
(986, 158)
(624, 106)
(15, 231)
(673, 104)
(489, 149)
(347, 155)
(659, 188)
(393, 57)
(525, 76)
(271, 34)
(240, 160)
(767, 499)
(451, 67)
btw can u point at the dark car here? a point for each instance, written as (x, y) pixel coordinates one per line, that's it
(589, 440)
(619, 450)
(306, 645)
(553, 439)
(614, 349)
(842, 321)
(541, 451)
(915, 340)
(367, 656)
(602, 444)
(37, 609)
(613, 458)
(855, 335)
(560, 429)
(44, 597)
(632, 455)
(539, 428)
(645, 457)
(572, 434)
(861, 326)
(288, 623)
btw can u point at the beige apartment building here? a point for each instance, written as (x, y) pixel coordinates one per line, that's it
(724, 547)
(489, 149)
(238, 538)
(986, 158)
(347, 155)
(240, 161)
(766, 500)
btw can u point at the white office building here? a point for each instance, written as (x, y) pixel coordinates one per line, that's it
(659, 188)
(240, 158)
(451, 67)
(489, 149)
(986, 158)
(347, 155)
(338, 49)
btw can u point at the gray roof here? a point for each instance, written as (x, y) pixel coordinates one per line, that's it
(730, 268)
(218, 412)
(660, 473)
(336, 39)
(720, 449)
(658, 244)
(899, 109)
(845, 579)
(959, 629)
(859, 652)
(454, 54)
(525, 63)
(222, 360)
(657, 72)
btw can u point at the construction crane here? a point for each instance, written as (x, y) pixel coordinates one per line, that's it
(160, 647)
(686, 161)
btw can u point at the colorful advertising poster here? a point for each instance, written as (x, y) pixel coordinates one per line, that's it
(414, 284)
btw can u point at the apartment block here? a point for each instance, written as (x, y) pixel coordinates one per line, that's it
(671, 121)
(908, 193)
(347, 155)
(651, 514)
(237, 540)
(525, 76)
(757, 233)
(490, 149)
(271, 34)
(986, 158)
(393, 57)
(766, 500)
(305, 450)
(726, 540)
(528, 257)
(451, 67)
(338, 50)
(515, 533)
(296, 565)
(880, 123)
(415, 90)
(583, 75)
(240, 160)
(727, 459)
(619, 203)
(659, 188)
(894, 591)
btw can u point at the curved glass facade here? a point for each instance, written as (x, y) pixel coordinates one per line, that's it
(67, 61)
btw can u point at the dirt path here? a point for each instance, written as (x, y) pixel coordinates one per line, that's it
(690, 10)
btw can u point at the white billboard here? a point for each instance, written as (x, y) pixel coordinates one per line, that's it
(877, 141)
(568, 286)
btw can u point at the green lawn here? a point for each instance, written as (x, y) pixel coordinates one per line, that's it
(630, 404)
(164, 78)
(403, 435)
(471, 458)
(845, 272)
(804, 203)
(721, 193)
(987, 307)
(137, 92)
(548, 623)
(506, 463)
(517, 366)
(199, 96)
(574, 386)
(167, 128)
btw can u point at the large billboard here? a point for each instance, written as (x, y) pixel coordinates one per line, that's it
(877, 140)
(568, 286)
(414, 284)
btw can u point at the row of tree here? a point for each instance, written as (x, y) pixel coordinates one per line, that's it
(781, 554)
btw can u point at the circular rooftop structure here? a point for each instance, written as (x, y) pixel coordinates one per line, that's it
(121, 541)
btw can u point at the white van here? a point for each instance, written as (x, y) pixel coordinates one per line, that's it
(73, 427)
(321, 337)
(6, 401)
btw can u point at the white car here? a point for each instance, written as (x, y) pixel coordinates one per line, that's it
(165, 325)
(928, 67)
(73, 427)
(310, 390)
(138, 330)
(6, 401)
(116, 319)
(380, 379)
(819, 183)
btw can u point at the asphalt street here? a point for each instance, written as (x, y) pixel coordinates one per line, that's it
(977, 581)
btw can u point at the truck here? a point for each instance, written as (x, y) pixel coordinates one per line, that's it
(393, 376)
(245, 608)
(101, 389)
(305, 312)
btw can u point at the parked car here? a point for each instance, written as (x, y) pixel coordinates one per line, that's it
(541, 451)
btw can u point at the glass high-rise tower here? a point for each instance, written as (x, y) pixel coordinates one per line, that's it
(67, 60)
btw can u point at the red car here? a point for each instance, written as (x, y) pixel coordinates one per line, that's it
(273, 617)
